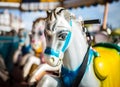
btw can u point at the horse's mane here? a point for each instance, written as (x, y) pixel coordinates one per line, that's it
(70, 16)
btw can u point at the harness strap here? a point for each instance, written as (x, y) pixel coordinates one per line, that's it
(82, 70)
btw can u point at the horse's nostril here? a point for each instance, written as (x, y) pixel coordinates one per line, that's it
(52, 59)
(33, 41)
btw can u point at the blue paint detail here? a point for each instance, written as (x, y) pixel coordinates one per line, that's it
(68, 76)
(66, 42)
(22, 40)
(96, 54)
(70, 22)
(50, 51)
(26, 49)
(91, 55)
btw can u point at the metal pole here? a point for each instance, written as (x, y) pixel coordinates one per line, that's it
(105, 16)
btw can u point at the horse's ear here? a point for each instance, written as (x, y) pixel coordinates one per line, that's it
(60, 11)
(68, 15)
(33, 25)
(48, 12)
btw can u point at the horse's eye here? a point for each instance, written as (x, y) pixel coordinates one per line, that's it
(33, 33)
(40, 33)
(62, 36)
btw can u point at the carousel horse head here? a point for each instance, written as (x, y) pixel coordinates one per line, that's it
(67, 43)
(38, 44)
(37, 37)
(58, 35)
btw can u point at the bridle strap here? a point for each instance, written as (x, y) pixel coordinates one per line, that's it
(82, 70)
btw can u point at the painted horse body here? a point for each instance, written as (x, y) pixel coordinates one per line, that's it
(67, 42)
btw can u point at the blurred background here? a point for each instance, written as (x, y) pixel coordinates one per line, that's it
(17, 16)
(28, 10)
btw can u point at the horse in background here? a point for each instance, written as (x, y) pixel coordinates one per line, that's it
(38, 44)
(37, 40)
(23, 48)
(82, 65)
(103, 36)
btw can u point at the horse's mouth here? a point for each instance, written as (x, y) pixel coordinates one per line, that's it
(51, 60)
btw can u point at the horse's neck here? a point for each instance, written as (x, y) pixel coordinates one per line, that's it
(76, 51)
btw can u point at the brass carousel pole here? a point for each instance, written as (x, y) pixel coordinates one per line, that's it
(105, 16)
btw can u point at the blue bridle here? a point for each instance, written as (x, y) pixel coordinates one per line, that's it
(56, 53)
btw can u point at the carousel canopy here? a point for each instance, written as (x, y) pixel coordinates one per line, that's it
(33, 5)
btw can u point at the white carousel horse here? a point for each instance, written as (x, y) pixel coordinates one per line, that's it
(23, 48)
(82, 66)
(39, 37)
(38, 41)
(38, 45)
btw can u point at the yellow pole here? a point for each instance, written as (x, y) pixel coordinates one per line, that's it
(105, 16)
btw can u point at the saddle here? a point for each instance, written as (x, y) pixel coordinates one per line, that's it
(106, 64)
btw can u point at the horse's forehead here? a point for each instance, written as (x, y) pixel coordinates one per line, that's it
(56, 22)
(39, 25)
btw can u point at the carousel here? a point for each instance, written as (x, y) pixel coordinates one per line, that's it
(59, 49)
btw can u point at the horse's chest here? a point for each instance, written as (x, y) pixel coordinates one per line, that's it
(89, 79)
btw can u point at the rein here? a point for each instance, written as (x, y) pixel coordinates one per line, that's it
(83, 66)
(82, 69)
